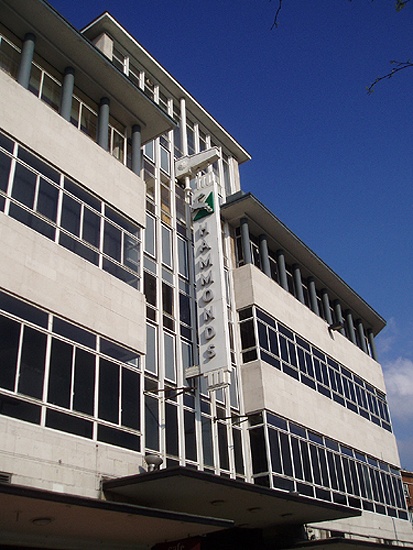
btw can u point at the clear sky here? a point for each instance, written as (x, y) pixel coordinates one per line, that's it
(333, 163)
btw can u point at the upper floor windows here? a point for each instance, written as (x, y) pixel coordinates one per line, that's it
(44, 199)
(264, 338)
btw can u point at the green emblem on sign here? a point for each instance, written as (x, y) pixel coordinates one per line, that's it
(202, 206)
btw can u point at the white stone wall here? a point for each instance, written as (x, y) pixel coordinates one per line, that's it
(266, 387)
(254, 287)
(48, 275)
(56, 461)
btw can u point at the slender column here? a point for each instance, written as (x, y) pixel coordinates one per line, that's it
(361, 335)
(67, 93)
(326, 305)
(265, 260)
(372, 344)
(313, 295)
(350, 326)
(245, 241)
(282, 272)
(339, 315)
(298, 283)
(26, 58)
(136, 149)
(103, 123)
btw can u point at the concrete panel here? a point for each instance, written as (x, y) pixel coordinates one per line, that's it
(48, 459)
(69, 149)
(253, 287)
(265, 387)
(50, 276)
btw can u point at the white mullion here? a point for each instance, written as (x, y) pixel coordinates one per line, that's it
(19, 356)
(120, 395)
(36, 193)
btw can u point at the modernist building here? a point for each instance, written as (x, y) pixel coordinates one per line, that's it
(175, 364)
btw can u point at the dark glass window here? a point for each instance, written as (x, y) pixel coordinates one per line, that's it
(171, 429)
(223, 446)
(9, 344)
(5, 162)
(24, 186)
(109, 391)
(190, 439)
(247, 334)
(32, 363)
(84, 382)
(60, 374)
(258, 451)
(151, 423)
(47, 200)
(130, 399)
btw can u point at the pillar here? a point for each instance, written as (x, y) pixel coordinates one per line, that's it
(372, 344)
(103, 123)
(245, 241)
(265, 260)
(361, 335)
(326, 306)
(136, 149)
(350, 327)
(26, 58)
(313, 295)
(282, 272)
(298, 283)
(67, 93)
(339, 315)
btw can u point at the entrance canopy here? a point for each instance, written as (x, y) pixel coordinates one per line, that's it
(191, 491)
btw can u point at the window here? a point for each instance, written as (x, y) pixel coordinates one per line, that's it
(66, 379)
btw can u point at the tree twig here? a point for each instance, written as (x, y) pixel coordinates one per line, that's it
(398, 66)
(277, 14)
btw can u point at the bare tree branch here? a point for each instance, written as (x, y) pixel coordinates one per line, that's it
(277, 14)
(398, 66)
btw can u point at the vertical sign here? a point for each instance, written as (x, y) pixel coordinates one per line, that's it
(214, 349)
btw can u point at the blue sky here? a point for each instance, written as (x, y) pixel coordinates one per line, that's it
(333, 163)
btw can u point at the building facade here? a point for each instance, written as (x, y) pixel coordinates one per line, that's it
(175, 364)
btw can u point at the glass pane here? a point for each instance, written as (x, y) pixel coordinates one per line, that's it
(9, 343)
(47, 200)
(60, 374)
(171, 429)
(112, 241)
(32, 363)
(88, 123)
(149, 285)
(51, 92)
(71, 215)
(35, 78)
(24, 185)
(169, 356)
(167, 299)
(130, 399)
(5, 163)
(9, 58)
(91, 227)
(72, 332)
(150, 363)
(166, 246)
(84, 382)
(207, 442)
(151, 423)
(150, 236)
(109, 391)
(131, 252)
(190, 437)
(23, 310)
(223, 446)
(119, 352)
